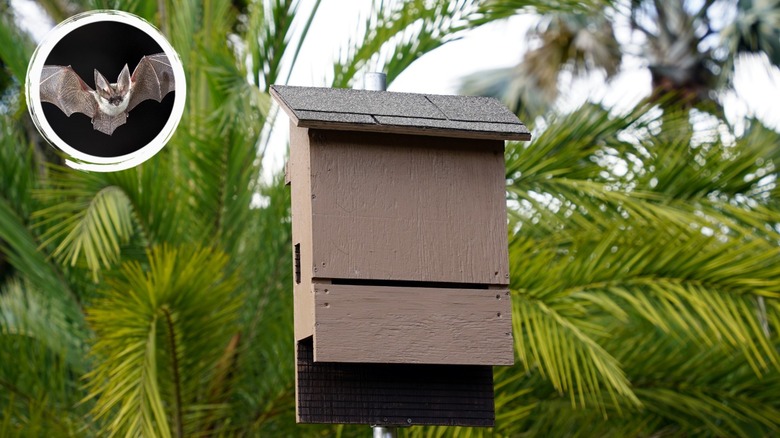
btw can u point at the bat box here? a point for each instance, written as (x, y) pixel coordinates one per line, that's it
(401, 292)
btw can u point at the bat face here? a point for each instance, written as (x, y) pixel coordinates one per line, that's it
(113, 98)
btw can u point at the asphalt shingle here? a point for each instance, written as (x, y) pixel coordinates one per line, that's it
(454, 125)
(321, 116)
(473, 109)
(454, 116)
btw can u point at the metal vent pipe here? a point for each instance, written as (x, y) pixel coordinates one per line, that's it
(375, 81)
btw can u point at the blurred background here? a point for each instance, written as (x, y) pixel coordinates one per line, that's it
(643, 220)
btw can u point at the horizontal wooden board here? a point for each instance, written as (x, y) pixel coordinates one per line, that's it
(392, 395)
(403, 207)
(380, 324)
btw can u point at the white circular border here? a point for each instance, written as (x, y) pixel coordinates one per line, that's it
(84, 161)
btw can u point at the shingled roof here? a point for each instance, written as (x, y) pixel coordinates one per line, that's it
(405, 113)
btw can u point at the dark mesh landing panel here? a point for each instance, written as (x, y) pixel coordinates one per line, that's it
(401, 395)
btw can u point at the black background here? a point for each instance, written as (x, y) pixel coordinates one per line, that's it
(107, 47)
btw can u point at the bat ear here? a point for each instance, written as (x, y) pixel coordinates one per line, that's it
(123, 83)
(101, 83)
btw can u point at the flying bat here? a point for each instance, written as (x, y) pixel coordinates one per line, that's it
(109, 104)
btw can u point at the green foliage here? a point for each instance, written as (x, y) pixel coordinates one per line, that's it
(396, 33)
(41, 350)
(116, 322)
(689, 49)
(643, 247)
(160, 333)
(755, 29)
(97, 226)
(644, 282)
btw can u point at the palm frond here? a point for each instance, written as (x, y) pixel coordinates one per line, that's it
(516, 89)
(396, 33)
(681, 386)
(568, 355)
(670, 241)
(20, 250)
(185, 19)
(41, 351)
(26, 312)
(578, 42)
(269, 36)
(694, 286)
(565, 179)
(15, 47)
(492, 10)
(95, 222)
(675, 387)
(59, 10)
(754, 30)
(17, 168)
(156, 356)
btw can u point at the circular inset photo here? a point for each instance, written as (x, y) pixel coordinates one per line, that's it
(107, 89)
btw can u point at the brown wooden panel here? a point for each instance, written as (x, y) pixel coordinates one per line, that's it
(299, 171)
(393, 395)
(404, 207)
(380, 324)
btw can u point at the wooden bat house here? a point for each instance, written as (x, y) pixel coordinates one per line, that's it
(401, 291)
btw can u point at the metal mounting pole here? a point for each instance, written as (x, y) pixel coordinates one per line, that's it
(378, 82)
(385, 432)
(375, 81)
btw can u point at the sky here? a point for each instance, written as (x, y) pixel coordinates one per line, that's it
(757, 88)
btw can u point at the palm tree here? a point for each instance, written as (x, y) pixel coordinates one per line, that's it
(155, 301)
(645, 279)
(644, 247)
(642, 258)
(688, 47)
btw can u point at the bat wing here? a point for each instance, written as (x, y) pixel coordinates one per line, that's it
(152, 79)
(63, 87)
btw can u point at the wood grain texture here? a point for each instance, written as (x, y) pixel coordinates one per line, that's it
(381, 324)
(404, 207)
(299, 171)
(392, 395)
